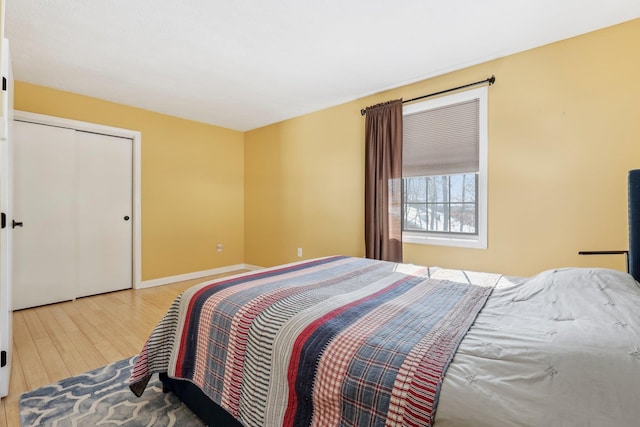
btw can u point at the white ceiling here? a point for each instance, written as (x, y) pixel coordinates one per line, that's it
(249, 63)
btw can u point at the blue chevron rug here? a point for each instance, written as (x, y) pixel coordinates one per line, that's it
(102, 398)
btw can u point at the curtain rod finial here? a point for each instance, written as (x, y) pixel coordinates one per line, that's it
(492, 80)
(363, 112)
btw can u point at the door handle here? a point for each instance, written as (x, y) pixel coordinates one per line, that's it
(15, 224)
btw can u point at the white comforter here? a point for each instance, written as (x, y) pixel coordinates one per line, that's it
(559, 349)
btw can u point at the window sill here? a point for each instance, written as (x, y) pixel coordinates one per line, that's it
(475, 242)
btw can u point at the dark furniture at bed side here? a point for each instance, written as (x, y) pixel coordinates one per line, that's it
(633, 254)
(634, 224)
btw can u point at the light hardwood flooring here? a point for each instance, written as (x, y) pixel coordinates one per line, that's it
(61, 340)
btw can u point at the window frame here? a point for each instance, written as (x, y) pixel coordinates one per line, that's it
(478, 241)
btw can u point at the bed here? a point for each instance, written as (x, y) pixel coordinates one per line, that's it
(356, 342)
(343, 341)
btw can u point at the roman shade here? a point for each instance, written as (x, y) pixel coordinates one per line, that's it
(441, 141)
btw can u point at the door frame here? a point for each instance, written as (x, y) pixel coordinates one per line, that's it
(136, 137)
(6, 204)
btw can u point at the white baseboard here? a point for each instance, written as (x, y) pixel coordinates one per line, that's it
(195, 275)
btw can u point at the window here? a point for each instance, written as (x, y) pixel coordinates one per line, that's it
(444, 185)
(441, 203)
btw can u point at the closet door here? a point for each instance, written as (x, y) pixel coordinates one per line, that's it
(104, 208)
(73, 196)
(44, 242)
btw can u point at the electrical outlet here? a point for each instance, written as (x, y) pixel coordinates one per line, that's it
(219, 247)
(300, 252)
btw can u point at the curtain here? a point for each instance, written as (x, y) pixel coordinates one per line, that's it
(383, 181)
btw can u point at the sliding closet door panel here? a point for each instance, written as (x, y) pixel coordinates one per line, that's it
(104, 164)
(44, 247)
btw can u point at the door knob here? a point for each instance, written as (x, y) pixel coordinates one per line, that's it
(126, 218)
(15, 224)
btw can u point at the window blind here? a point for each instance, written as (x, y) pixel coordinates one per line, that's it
(442, 140)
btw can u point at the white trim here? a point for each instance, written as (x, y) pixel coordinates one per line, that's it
(196, 275)
(480, 241)
(136, 137)
(461, 242)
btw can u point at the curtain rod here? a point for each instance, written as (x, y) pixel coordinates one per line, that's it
(491, 80)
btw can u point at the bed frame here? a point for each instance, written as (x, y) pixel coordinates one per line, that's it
(209, 412)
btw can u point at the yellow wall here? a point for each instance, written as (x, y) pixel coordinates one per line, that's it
(303, 185)
(564, 129)
(192, 181)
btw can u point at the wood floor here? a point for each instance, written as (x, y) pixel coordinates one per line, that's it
(57, 341)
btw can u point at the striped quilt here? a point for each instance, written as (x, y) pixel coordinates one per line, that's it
(335, 341)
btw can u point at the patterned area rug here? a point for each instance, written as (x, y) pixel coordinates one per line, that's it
(102, 398)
